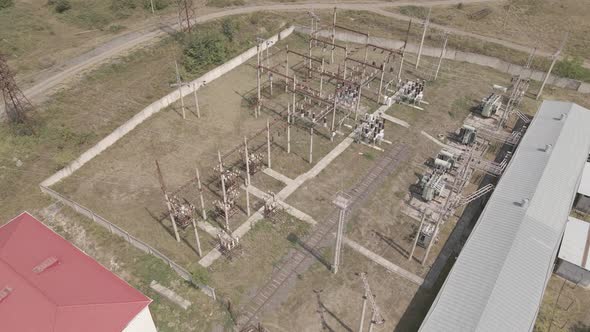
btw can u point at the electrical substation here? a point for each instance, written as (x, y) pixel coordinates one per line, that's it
(319, 151)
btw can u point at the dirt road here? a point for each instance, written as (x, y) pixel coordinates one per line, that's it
(49, 80)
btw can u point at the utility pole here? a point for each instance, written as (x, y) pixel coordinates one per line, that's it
(199, 251)
(200, 189)
(417, 235)
(432, 239)
(289, 119)
(247, 160)
(376, 317)
(333, 36)
(401, 63)
(152, 5)
(555, 58)
(179, 83)
(167, 199)
(426, 23)
(16, 105)
(341, 200)
(268, 142)
(442, 53)
(196, 101)
(287, 68)
(222, 176)
(311, 145)
(259, 99)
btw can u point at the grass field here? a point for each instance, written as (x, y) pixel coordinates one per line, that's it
(530, 23)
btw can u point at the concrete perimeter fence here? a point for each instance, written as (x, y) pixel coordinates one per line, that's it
(157, 106)
(456, 55)
(137, 243)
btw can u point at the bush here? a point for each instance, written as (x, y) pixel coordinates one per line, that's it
(572, 68)
(62, 6)
(117, 5)
(6, 3)
(203, 50)
(414, 11)
(229, 28)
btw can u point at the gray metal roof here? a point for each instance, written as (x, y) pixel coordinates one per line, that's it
(497, 283)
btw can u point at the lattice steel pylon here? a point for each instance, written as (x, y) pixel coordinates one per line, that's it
(16, 104)
(186, 15)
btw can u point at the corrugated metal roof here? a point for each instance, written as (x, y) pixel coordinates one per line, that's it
(575, 243)
(584, 188)
(498, 281)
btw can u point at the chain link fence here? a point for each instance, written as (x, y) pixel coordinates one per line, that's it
(137, 243)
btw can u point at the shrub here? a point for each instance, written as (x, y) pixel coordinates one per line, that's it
(62, 6)
(6, 3)
(229, 28)
(203, 50)
(573, 68)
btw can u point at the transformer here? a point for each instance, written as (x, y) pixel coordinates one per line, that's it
(490, 105)
(444, 161)
(426, 235)
(467, 134)
(432, 185)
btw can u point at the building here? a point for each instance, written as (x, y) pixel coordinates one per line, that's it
(47, 284)
(573, 261)
(582, 203)
(499, 278)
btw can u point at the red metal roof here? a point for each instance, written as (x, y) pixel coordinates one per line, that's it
(73, 295)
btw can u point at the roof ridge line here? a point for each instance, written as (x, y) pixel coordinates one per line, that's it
(148, 301)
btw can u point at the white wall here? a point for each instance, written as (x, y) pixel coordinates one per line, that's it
(143, 322)
(154, 108)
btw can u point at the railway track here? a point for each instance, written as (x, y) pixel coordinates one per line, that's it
(297, 260)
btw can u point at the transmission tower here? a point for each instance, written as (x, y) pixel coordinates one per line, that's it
(186, 14)
(15, 103)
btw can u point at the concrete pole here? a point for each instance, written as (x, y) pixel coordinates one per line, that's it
(431, 241)
(442, 53)
(268, 142)
(363, 310)
(309, 66)
(339, 235)
(171, 212)
(555, 57)
(426, 23)
(366, 48)
(247, 159)
(152, 5)
(289, 128)
(417, 235)
(333, 36)
(311, 146)
(179, 82)
(294, 86)
(333, 114)
(322, 78)
(358, 104)
(197, 102)
(224, 192)
(201, 195)
(270, 79)
(199, 251)
(287, 70)
(372, 323)
(381, 82)
(258, 94)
